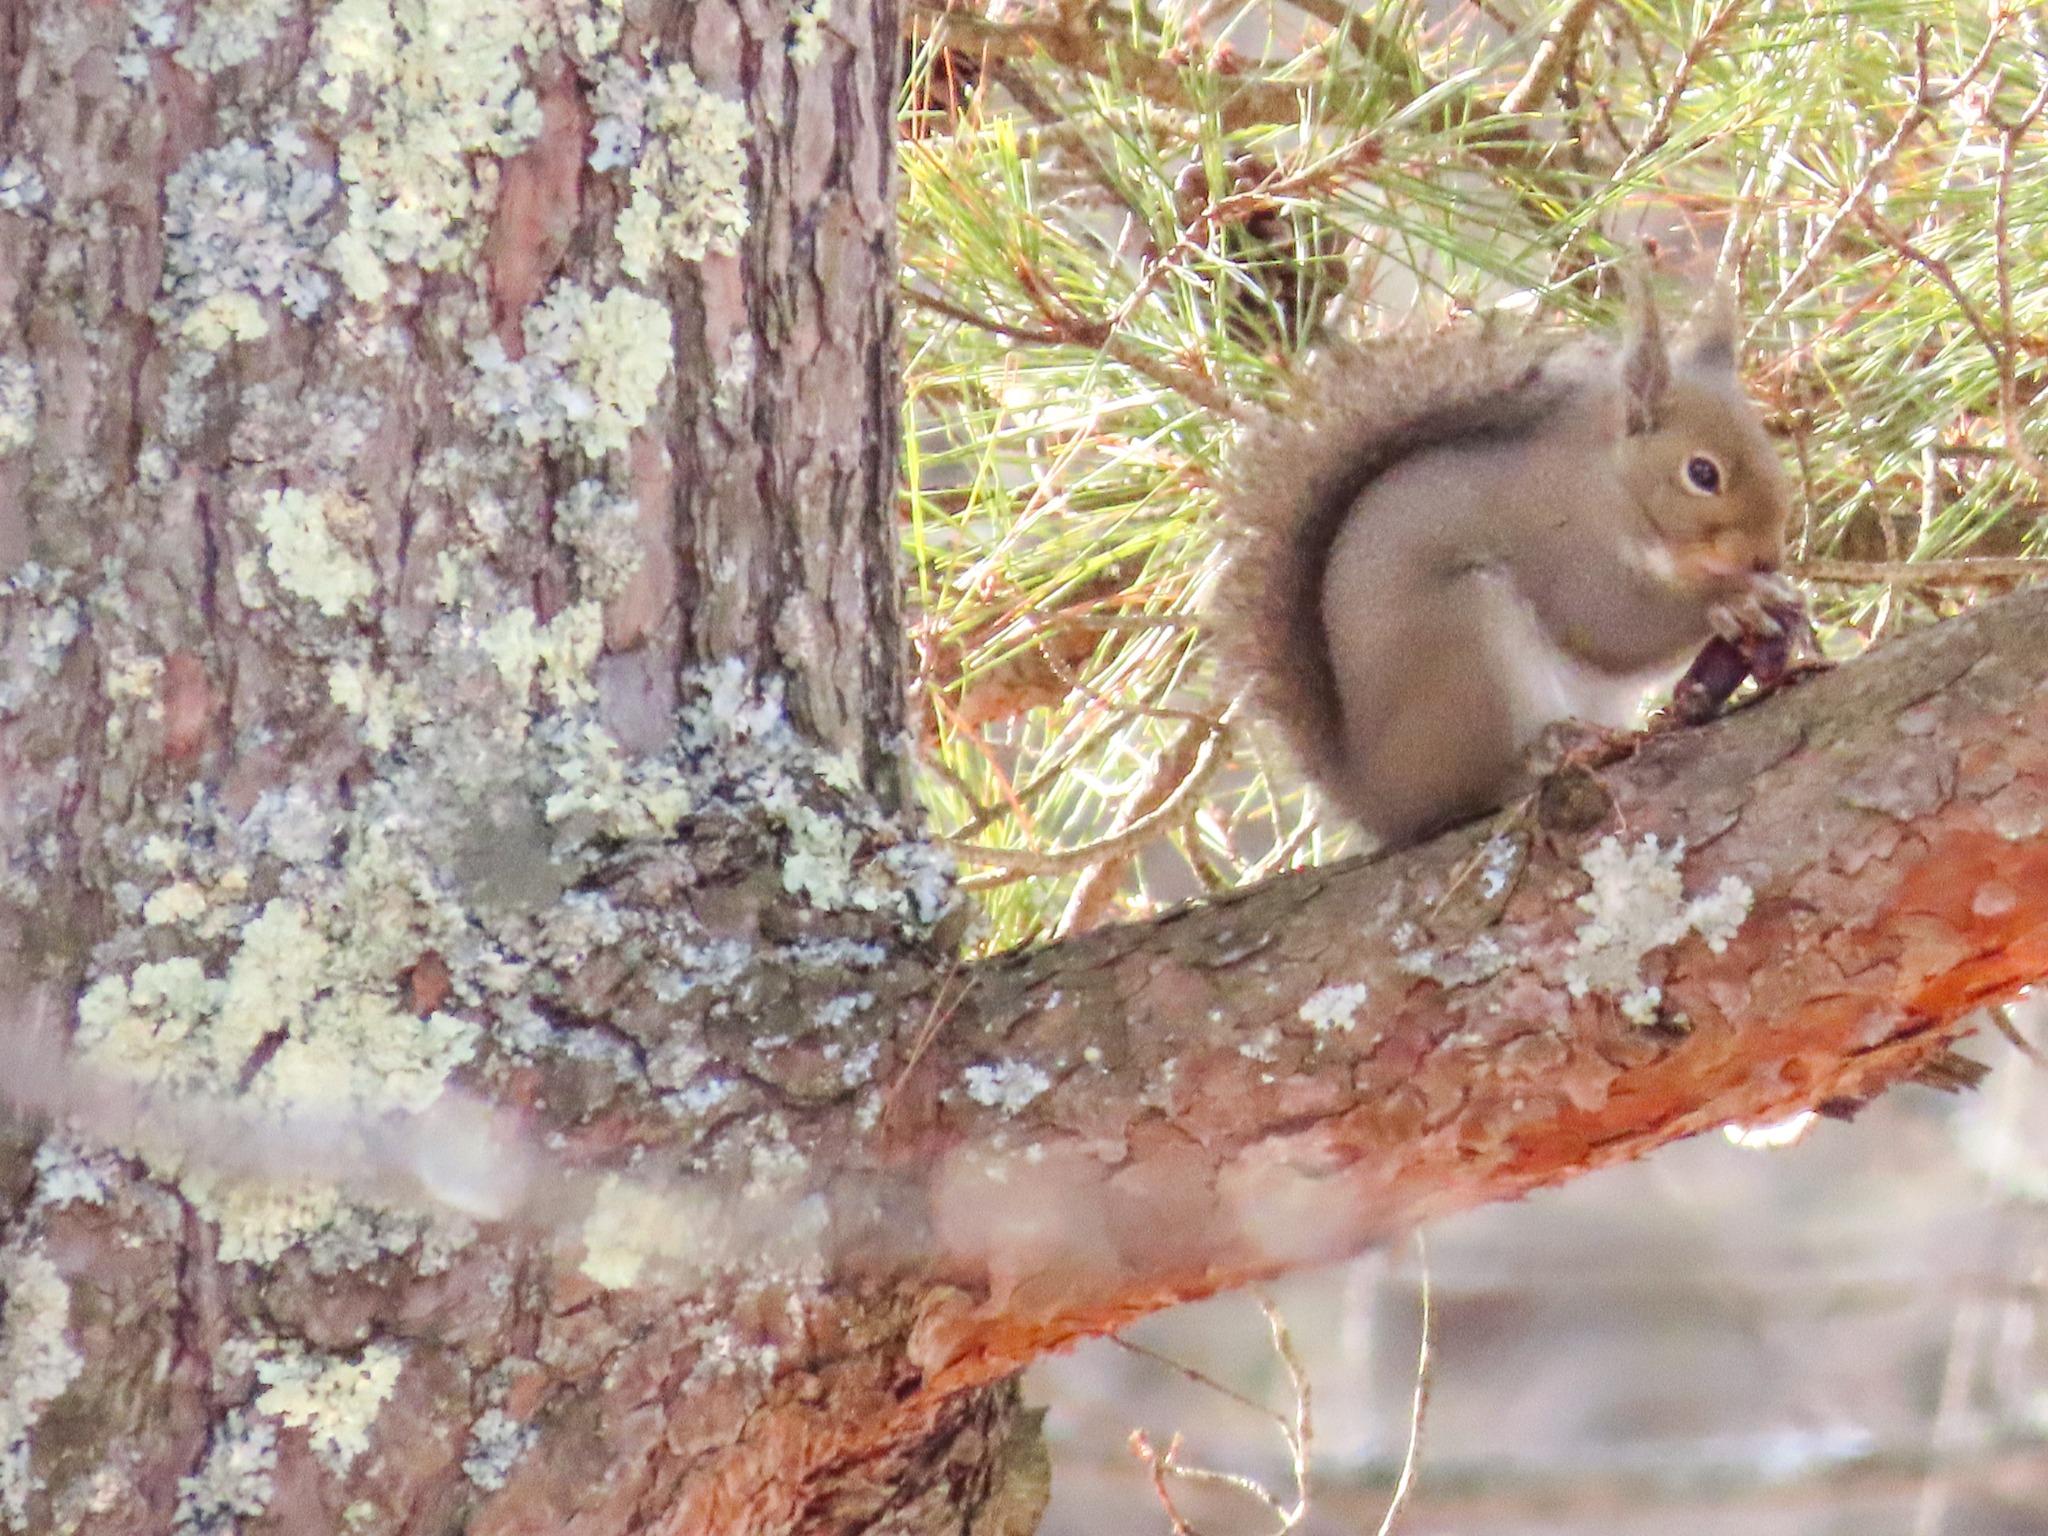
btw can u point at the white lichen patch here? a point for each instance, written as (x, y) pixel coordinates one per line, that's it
(230, 32)
(68, 1172)
(684, 151)
(602, 787)
(155, 1024)
(17, 404)
(37, 1364)
(821, 853)
(443, 82)
(384, 706)
(178, 902)
(1461, 966)
(807, 29)
(593, 369)
(334, 1398)
(1005, 1085)
(298, 1004)
(557, 654)
(836, 1013)
(367, 1050)
(343, 1044)
(629, 1226)
(746, 756)
(602, 530)
(582, 925)
(591, 28)
(775, 1164)
(243, 230)
(496, 1442)
(259, 1223)
(132, 677)
(1334, 1007)
(1263, 1046)
(236, 1480)
(858, 1065)
(1718, 915)
(1499, 860)
(1638, 904)
(152, 24)
(305, 548)
(185, 395)
(45, 622)
(21, 185)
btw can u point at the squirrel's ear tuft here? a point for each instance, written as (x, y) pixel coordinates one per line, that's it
(1645, 365)
(1711, 341)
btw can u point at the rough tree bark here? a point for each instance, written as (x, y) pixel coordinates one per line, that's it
(430, 434)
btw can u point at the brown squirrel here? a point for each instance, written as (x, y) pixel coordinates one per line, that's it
(1439, 550)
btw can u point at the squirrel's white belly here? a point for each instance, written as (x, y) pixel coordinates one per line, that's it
(1545, 683)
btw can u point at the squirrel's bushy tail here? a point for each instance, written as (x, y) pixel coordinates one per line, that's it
(1291, 479)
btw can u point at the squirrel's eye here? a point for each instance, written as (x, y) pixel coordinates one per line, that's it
(1703, 475)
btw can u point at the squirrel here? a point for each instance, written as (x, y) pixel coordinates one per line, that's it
(1438, 551)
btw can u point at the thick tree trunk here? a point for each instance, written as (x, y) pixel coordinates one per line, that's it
(513, 1081)
(411, 411)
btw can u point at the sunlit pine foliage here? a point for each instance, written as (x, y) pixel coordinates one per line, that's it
(1125, 226)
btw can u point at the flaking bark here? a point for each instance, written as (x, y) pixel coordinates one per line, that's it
(1290, 1074)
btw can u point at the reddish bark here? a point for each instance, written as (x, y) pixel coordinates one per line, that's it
(1891, 819)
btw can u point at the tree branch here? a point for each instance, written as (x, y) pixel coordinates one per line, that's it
(1970, 572)
(1156, 1112)
(1284, 1077)
(1078, 44)
(1552, 57)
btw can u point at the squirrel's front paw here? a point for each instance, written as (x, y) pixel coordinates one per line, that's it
(1769, 606)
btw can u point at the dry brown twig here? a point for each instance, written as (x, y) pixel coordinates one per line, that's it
(1071, 39)
(1183, 772)
(2002, 342)
(1926, 99)
(1974, 572)
(2001, 1020)
(1096, 890)
(1296, 1427)
(1552, 56)
(1017, 863)
(935, 1019)
(1411, 1458)
(1297, 1432)
(1076, 330)
(1654, 137)
(2010, 132)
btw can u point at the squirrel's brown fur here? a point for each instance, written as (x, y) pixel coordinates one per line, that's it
(1293, 478)
(1448, 545)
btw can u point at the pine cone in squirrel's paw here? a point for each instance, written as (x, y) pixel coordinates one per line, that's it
(1778, 649)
